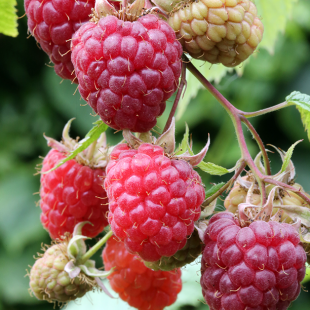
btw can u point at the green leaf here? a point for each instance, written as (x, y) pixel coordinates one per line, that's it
(302, 102)
(214, 189)
(299, 99)
(8, 18)
(273, 22)
(184, 144)
(212, 168)
(288, 156)
(90, 137)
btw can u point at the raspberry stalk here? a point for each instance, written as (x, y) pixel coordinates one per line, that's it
(96, 247)
(237, 116)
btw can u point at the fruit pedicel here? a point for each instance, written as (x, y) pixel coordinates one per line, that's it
(128, 58)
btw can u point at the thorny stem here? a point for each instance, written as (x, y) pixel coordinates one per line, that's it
(237, 116)
(236, 119)
(177, 97)
(259, 142)
(96, 247)
(225, 186)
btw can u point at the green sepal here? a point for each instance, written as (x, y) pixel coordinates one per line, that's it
(92, 136)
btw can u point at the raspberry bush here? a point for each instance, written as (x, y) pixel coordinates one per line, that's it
(128, 58)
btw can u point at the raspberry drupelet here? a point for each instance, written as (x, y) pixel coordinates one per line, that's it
(127, 68)
(153, 200)
(53, 23)
(256, 267)
(139, 286)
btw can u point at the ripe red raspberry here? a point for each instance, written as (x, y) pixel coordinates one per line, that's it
(127, 70)
(255, 267)
(73, 192)
(139, 286)
(52, 23)
(153, 200)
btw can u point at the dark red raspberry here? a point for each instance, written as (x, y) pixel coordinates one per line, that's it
(127, 70)
(257, 267)
(52, 23)
(139, 286)
(70, 194)
(153, 200)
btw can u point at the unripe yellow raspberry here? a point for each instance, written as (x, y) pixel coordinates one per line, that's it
(218, 31)
(49, 281)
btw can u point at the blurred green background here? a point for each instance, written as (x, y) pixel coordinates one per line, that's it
(35, 101)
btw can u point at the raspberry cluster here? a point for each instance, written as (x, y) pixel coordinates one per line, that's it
(127, 70)
(53, 23)
(153, 200)
(255, 267)
(139, 286)
(70, 194)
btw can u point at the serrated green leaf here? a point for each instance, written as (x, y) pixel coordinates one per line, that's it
(273, 22)
(212, 168)
(305, 118)
(299, 99)
(288, 156)
(302, 102)
(213, 189)
(8, 18)
(90, 137)
(184, 144)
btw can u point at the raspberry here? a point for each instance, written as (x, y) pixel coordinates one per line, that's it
(52, 23)
(73, 192)
(218, 31)
(255, 267)
(49, 281)
(153, 200)
(187, 255)
(139, 286)
(238, 195)
(127, 70)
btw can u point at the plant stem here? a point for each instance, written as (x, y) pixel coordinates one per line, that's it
(224, 187)
(96, 247)
(259, 142)
(177, 97)
(265, 111)
(235, 116)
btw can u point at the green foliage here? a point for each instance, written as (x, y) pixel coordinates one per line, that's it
(8, 18)
(274, 15)
(288, 156)
(213, 168)
(302, 102)
(33, 101)
(90, 137)
(214, 189)
(184, 144)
